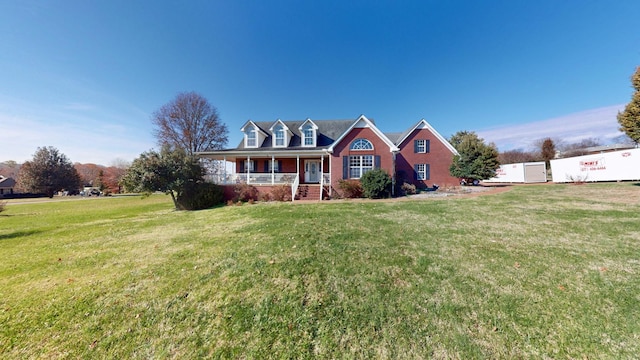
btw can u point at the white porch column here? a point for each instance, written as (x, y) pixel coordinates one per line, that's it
(330, 180)
(273, 168)
(224, 172)
(321, 175)
(248, 168)
(298, 167)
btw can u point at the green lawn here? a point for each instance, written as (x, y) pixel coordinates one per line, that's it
(535, 272)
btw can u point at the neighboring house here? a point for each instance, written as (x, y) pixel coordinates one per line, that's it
(314, 155)
(7, 186)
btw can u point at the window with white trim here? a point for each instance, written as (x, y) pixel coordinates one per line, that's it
(422, 171)
(421, 146)
(361, 144)
(307, 133)
(274, 166)
(359, 165)
(251, 138)
(279, 135)
(249, 165)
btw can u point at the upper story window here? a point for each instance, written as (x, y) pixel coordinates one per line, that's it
(308, 135)
(279, 135)
(421, 146)
(361, 144)
(251, 138)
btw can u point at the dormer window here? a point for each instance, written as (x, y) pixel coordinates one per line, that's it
(251, 138)
(308, 133)
(253, 135)
(279, 136)
(308, 136)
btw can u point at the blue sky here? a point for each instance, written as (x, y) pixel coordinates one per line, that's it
(85, 76)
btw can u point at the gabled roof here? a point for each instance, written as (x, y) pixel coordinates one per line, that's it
(362, 121)
(286, 128)
(308, 121)
(423, 124)
(7, 182)
(250, 122)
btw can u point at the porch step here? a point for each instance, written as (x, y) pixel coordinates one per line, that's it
(308, 192)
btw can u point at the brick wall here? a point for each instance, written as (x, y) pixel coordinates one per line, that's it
(439, 159)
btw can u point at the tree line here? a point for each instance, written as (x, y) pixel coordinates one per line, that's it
(182, 127)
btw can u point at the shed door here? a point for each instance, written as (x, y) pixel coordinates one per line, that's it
(535, 173)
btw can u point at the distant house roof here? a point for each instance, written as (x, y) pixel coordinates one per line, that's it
(7, 182)
(605, 148)
(594, 150)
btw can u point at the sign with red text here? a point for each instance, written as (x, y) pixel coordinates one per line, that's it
(611, 166)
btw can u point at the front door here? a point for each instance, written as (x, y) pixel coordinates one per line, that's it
(312, 171)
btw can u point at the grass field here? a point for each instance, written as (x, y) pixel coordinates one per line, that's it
(535, 272)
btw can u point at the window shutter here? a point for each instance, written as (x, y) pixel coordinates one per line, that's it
(427, 145)
(415, 172)
(376, 162)
(345, 167)
(427, 171)
(415, 146)
(243, 166)
(266, 165)
(279, 166)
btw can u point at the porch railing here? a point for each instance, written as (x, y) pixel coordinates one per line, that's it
(254, 178)
(294, 188)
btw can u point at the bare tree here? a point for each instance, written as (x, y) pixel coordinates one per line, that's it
(190, 123)
(578, 148)
(9, 168)
(517, 156)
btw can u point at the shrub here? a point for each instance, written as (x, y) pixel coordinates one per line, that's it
(2, 205)
(376, 184)
(350, 188)
(408, 189)
(245, 192)
(201, 196)
(264, 197)
(281, 193)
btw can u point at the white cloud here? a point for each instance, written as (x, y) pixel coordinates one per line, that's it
(83, 132)
(600, 123)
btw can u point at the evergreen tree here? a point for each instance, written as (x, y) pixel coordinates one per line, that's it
(629, 119)
(171, 171)
(475, 159)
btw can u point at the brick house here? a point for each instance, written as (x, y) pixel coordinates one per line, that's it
(312, 156)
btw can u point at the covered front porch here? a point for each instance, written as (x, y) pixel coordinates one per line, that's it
(268, 170)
